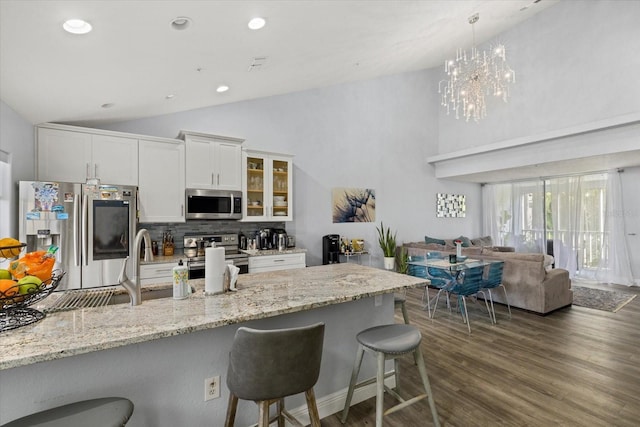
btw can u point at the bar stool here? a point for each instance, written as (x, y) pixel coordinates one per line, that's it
(267, 366)
(103, 412)
(389, 342)
(399, 300)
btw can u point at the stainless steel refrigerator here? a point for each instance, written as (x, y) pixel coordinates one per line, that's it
(92, 225)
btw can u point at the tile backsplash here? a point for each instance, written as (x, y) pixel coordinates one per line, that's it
(178, 230)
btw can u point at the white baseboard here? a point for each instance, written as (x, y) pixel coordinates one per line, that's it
(334, 402)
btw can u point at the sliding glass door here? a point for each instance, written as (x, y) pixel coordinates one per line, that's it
(572, 218)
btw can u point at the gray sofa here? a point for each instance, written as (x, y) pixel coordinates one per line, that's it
(531, 283)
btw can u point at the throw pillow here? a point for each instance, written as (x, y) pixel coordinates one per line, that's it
(428, 240)
(482, 241)
(465, 241)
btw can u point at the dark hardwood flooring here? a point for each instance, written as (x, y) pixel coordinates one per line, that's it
(574, 367)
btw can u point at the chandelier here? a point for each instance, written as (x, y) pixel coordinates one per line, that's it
(472, 77)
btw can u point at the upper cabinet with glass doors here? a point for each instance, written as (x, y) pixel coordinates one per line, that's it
(267, 186)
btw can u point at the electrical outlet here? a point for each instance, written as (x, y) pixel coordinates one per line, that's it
(211, 388)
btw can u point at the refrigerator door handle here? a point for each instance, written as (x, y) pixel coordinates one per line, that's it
(76, 230)
(84, 233)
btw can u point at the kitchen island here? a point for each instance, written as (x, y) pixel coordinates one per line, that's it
(159, 353)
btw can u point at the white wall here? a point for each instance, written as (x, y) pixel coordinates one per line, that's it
(16, 139)
(575, 63)
(374, 134)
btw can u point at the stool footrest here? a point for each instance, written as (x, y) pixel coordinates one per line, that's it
(373, 380)
(404, 403)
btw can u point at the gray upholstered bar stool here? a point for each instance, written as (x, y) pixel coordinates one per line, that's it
(268, 365)
(103, 412)
(390, 342)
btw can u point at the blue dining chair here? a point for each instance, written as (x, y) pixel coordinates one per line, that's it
(467, 283)
(492, 280)
(438, 278)
(441, 280)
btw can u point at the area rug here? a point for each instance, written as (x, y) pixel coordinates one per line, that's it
(600, 299)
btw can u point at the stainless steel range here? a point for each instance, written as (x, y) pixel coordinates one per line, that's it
(195, 245)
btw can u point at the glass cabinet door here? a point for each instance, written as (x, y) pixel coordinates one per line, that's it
(268, 185)
(280, 187)
(255, 187)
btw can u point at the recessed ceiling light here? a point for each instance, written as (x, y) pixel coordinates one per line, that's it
(257, 23)
(180, 23)
(108, 105)
(170, 96)
(77, 26)
(222, 88)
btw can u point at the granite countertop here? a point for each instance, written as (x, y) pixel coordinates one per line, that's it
(264, 252)
(259, 296)
(168, 259)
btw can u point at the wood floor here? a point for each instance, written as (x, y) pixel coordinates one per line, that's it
(574, 367)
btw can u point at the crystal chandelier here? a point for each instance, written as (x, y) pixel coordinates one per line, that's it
(472, 77)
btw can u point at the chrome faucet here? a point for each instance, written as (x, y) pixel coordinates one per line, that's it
(133, 287)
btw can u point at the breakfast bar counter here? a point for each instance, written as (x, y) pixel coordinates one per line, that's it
(112, 350)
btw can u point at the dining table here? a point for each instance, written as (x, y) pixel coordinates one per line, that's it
(420, 267)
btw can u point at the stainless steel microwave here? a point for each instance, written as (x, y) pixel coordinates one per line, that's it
(213, 204)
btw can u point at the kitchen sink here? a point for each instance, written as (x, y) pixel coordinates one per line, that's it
(147, 295)
(70, 300)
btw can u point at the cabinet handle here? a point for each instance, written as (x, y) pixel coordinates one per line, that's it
(181, 210)
(87, 171)
(218, 175)
(95, 170)
(278, 260)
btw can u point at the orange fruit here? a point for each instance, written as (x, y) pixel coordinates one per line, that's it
(8, 242)
(8, 288)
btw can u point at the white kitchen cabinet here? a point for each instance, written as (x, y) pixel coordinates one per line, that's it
(213, 162)
(258, 264)
(71, 154)
(161, 188)
(267, 186)
(157, 272)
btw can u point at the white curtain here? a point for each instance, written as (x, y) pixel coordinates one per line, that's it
(614, 266)
(490, 212)
(566, 213)
(514, 215)
(582, 215)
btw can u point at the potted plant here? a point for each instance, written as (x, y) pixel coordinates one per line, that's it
(387, 243)
(403, 261)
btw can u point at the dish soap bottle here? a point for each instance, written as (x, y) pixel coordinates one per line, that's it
(180, 285)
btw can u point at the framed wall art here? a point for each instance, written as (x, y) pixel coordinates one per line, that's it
(451, 206)
(353, 205)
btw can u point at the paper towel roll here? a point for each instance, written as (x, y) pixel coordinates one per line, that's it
(214, 267)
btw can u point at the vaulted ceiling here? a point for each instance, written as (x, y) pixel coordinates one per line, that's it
(134, 64)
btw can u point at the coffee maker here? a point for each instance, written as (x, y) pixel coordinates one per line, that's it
(264, 239)
(331, 249)
(279, 239)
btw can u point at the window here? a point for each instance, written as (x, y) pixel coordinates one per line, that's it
(563, 216)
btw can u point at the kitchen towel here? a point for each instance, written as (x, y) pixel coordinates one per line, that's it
(214, 267)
